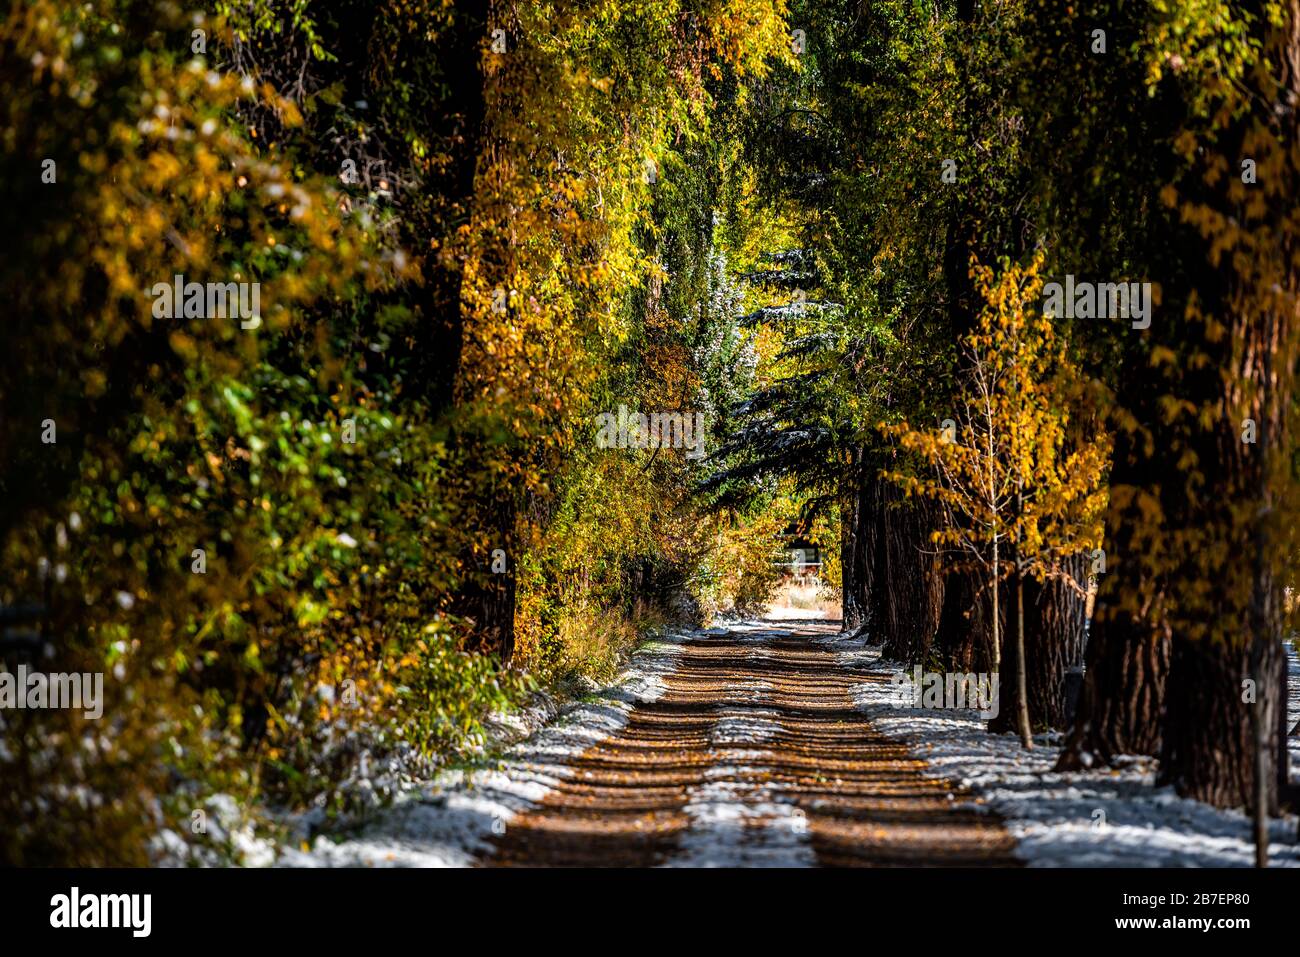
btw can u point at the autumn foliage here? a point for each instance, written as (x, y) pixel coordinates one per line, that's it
(277, 538)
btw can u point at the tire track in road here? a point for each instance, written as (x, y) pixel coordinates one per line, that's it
(754, 755)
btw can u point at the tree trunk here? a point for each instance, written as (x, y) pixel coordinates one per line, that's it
(1055, 624)
(910, 594)
(1022, 694)
(855, 561)
(1209, 739)
(964, 636)
(1122, 701)
(995, 586)
(489, 605)
(875, 526)
(1223, 743)
(486, 600)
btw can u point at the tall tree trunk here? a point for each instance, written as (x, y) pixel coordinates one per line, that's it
(1223, 742)
(855, 561)
(1209, 740)
(964, 636)
(910, 593)
(875, 528)
(1122, 701)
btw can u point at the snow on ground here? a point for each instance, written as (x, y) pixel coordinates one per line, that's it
(788, 613)
(449, 821)
(1099, 818)
(739, 817)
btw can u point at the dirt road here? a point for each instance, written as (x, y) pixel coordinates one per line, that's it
(752, 755)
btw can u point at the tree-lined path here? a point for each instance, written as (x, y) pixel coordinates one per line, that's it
(387, 372)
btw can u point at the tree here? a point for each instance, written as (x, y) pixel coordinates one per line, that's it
(1022, 481)
(1185, 660)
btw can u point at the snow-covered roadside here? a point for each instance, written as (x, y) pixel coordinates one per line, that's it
(448, 822)
(1098, 818)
